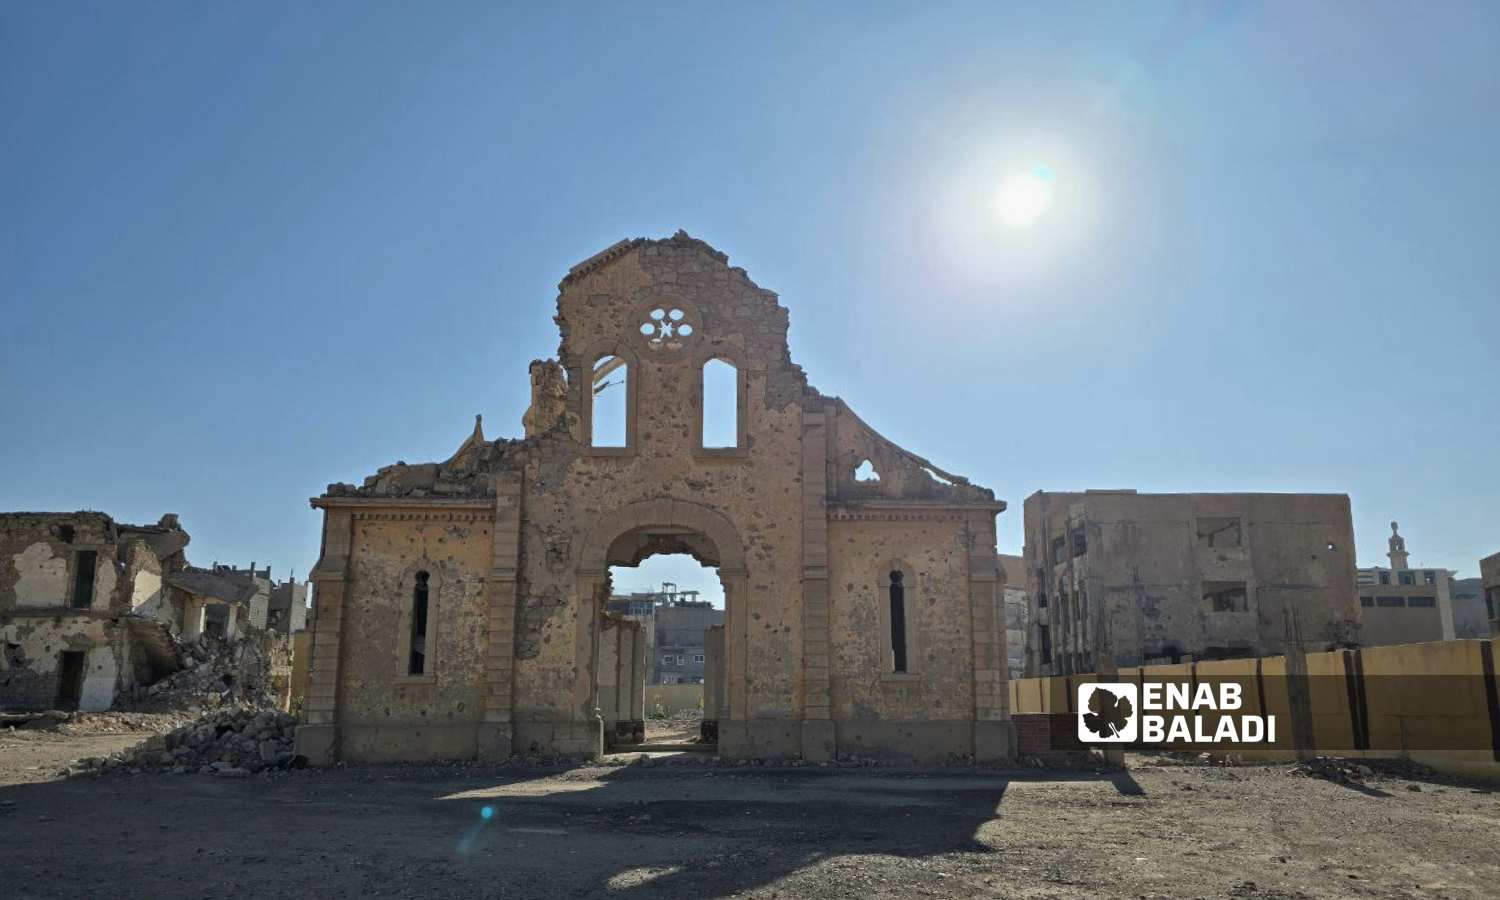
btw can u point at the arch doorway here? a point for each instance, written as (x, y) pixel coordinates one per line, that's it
(609, 689)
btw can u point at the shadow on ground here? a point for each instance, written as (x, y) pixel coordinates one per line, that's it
(655, 829)
(769, 823)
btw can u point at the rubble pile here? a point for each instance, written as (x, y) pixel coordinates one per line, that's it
(1332, 768)
(229, 743)
(66, 722)
(218, 673)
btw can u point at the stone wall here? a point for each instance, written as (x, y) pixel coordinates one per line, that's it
(39, 558)
(522, 534)
(388, 713)
(938, 685)
(39, 553)
(31, 651)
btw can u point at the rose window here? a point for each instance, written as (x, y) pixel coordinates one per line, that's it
(667, 328)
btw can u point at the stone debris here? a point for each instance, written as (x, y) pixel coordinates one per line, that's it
(230, 743)
(1332, 768)
(217, 673)
(1186, 758)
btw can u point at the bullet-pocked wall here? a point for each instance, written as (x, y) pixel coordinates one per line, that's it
(783, 506)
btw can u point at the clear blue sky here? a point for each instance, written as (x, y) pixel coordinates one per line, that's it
(250, 249)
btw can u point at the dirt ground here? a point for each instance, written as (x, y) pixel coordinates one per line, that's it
(683, 826)
(683, 726)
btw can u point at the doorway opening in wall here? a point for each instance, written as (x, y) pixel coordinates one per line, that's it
(70, 669)
(216, 620)
(662, 655)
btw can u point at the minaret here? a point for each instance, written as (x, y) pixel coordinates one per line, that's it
(1398, 549)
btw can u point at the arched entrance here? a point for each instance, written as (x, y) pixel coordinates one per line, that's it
(635, 532)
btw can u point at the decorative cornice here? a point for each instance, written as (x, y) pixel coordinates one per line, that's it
(435, 504)
(423, 515)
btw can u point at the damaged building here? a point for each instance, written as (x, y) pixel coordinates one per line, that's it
(460, 604)
(84, 607)
(223, 600)
(92, 609)
(1016, 613)
(1149, 578)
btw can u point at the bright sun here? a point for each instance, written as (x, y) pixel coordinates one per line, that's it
(1025, 197)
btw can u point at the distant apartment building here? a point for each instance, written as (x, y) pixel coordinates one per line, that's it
(1148, 578)
(1489, 577)
(676, 623)
(1016, 613)
(681, 626)
(286, 612)
(1470, 617)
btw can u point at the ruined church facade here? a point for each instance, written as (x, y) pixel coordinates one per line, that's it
(458, 604)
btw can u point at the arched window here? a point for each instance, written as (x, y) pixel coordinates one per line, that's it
(610, 422)
(898, 621)
(721, 404)
(416, 663)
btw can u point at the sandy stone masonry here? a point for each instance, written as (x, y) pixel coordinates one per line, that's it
(94, 611)
(459, 603)
(83, 600)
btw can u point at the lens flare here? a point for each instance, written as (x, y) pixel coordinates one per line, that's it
(1025, 197)
(487, 812)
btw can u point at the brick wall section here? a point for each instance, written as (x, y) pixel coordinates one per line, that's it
(22, 689)
(1038, 734)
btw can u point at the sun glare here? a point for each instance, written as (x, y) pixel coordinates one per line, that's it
(1025, 197)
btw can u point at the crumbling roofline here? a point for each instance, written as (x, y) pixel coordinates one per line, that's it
(910, 456)
(620, 248)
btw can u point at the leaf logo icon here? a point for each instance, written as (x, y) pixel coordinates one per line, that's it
(1108, 714)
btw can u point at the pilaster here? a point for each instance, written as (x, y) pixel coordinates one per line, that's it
(317, 738)
(992, 737)
(500, 590)
(817, 725)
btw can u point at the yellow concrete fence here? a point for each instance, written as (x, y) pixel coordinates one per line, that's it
(1434, 703)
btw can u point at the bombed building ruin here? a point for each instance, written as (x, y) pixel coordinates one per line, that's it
(84, 607)
(460, 604)
(1149, 578)
(91, 609)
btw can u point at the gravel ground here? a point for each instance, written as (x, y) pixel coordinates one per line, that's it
(683, 726)
(655, 828)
